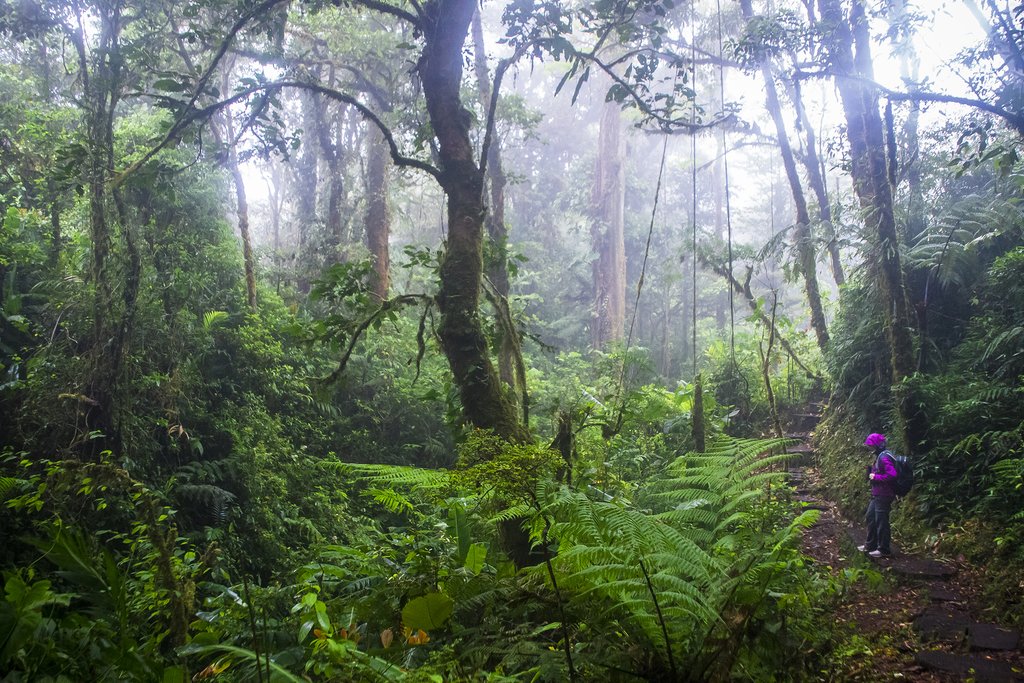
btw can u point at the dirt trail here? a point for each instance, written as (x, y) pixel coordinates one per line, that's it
(923, 623)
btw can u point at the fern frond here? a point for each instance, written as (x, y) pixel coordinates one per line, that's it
(520, 511)
(210, 501)
(393, 475)
(8, 484)
(391, 500)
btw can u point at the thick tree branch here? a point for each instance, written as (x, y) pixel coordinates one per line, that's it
(386, 8)
(266, 89)
(1016, 120)
(385, 306)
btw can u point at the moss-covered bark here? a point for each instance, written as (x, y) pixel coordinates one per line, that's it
(484, 403)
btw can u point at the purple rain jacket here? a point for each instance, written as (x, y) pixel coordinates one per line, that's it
(885, 476)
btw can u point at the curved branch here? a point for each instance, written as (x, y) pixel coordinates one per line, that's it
(396, 154)
(744, 289)
(499, 74)
(385, 8)
(197, 115)
(225, 44)
(385, 306)
(708, 57)
(666, 122)
(1016, 120)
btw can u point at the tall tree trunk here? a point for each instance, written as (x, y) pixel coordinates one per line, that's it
(378, 215)
(306, 181)
(56, 236)
(497, 263)
(816, 167)
(331, 154)
(607, 231)
(766, 361)
(462, 336)
(802, 229)
(99, 84)
(816, 179)
(275, 197)
(721, 304)
(227, 138)
(242, 211)
(871, 183)
(910, 72)
(698, 430)
(52, 193)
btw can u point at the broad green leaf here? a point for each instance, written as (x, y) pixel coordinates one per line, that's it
(174, 674)
(169, 85)
(428, 612)
(475, 557)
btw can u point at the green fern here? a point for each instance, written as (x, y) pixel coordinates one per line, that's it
(8, 484)
(664, 572)
(952, 246)
(393, 475)
(212, 319)
(197, 487)
(390, 499)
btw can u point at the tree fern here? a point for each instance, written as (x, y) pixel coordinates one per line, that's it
(198, 488)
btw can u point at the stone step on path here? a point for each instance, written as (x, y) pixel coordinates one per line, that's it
(952, 624)
(938, 594)
(945, 621)
(804, 421)
(811, 503)
(969, 667)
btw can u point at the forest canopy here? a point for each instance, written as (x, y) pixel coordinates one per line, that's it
(431, 340)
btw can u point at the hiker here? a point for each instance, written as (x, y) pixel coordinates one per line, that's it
(882, 475)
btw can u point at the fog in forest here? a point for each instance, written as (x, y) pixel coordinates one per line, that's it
(432, 340)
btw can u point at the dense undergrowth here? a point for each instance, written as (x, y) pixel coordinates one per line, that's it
(205, 476)
(967, 273)
(227, 530)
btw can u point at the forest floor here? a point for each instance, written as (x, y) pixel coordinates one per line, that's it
(920, 621)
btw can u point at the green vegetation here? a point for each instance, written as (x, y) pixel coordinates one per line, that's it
(325, 357)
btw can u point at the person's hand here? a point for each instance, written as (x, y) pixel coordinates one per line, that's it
(871, 476)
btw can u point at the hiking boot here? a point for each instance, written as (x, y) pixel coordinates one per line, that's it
(863, 549)
(878, 554)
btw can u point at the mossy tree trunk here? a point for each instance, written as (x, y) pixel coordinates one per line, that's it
(497, 261)
(227, 138)
(484, 403)
(378, 214)
(102, 81)
(872, 184)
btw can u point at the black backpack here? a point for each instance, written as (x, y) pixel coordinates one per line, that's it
(904, 473)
